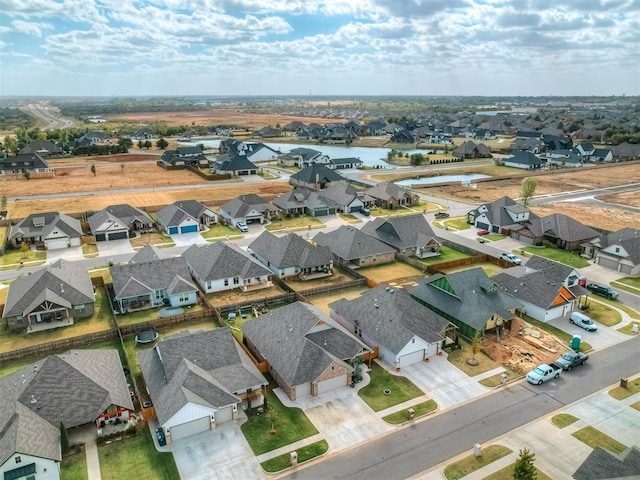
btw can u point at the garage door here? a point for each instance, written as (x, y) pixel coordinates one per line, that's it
(411, 358)
(332, 383)
(100, 237)
(303, 390)
(190, 428)
(118, 235)
(525, 240)
(608, 262)
(173, 230)
(56, 243)
(626, 269)
(482, 226)
(189, 229)
(224, 415)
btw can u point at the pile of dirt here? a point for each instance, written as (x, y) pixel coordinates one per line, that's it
(523, 346)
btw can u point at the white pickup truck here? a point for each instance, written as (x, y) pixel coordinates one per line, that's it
(544, 372)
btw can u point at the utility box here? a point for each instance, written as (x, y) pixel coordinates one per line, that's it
(623, 382)
(411, 413)
(293, 456)
(477, 450)
(575, 342)
(503, 378)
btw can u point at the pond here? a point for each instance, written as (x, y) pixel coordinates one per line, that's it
(442, 179)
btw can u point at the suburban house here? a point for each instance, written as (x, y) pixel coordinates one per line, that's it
(78, 387)
(499, 216)
(601, 155)
(302, 201)
(118, 222)
(626, 151)
(43, 148)
(354, 248)
(308, 352)
(219, 266)
(234, 164)
(52, 230)
(53, 296)
(23, 163)
(348, 162)
(315, 177)
(601, 464)
(403, 331)
(470, 149)
(250, 208)
(565, 158)
(291, 255)
(143, 133)
(546, 289)
(183, 156)
(256, 151)
(619, 250)
(562, 231)
(389, 195)
(200, 380)
(267, 132)
(185, 216)
(534, 145)
(469, 299)
(143, 285)
(94, 137)
(344, 198)
(403, 136)
(303, 157)
(410, 235)
(524, 160)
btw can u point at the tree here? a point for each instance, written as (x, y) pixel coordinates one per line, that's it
(529, 186)
(42, 135)
(24, 248)
(3, 202)
(162, 143)
(140, 144)
(524, 469)
(147, 144)
(93, 169)
(273, 416)
(125, 144)
(26, 175)
(476, 346)
(64, 439)
(10, 144)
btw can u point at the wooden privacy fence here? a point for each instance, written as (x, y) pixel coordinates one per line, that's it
(158, 323)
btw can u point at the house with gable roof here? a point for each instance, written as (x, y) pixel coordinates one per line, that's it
(220, 266)
(469, 299)
(315, 177)
(302, 201)
(185, 216)
(602, 464)
(410, 235)
(303, 157)
(250, 208)
(308, 352)
(619, 251)
(53, 230)
(525, 160)
(54, 296)
(234, 164)
(404, 331)
(183, 156)
(561, 230)
(143, 285)
(291, 255)
(43, 148)
(470, 149)
(389, 195)
(354, 248)
(23, 163)
(499, 216)
(199, 380)
(117, 222)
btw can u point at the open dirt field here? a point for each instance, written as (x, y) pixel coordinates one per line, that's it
(396, 274)
(217, 116)
(322, 302)
(236, 295)
(593, 214)
(626, 198)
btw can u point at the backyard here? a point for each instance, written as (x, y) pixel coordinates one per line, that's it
(571, 259)
(232, 297)
(394, 271)
(74, 467)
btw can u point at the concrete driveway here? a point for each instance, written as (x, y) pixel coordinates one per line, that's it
(114, 247)
(602, 338)
(188, 239)
(71, 253)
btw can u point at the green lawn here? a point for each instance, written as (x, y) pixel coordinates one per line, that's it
(291, 425)
(568, 258)
(631, 281)
(90, 250)
(635, 405)
(563, 420)
(349, 218)
(628, 329)
(494, 237)
(221, 231)
(281, 462)
(458, 223)
(620, 393)
(626, 287)
(447, 254)
(603, 314)
(74, 467)
(506, 473)
(559, 334)
(420, 409)
(595, 438)
(295, 223)
(401, 389)
(103, 272)
(12, 258)
(614, 303)
(472, 463)
(136, 457)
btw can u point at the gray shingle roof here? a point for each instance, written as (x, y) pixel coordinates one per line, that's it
(316, 172)
(52, 220)
(231, 162)
(627, 238)
(391, 317)
(388, 190)
(341, 194)
(147, 253)
(561, 226)
(349, 243)
(287, 339)
(604, 465)
(35, 146)
(241, 205)
(401, 232)
(524, 158)
(175, 213)
(123, 213)
(144, 278)
(62, 282)
(497, 211)
(219, 260)
(290, 250)
(26, 161)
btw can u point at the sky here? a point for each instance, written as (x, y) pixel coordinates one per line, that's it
(319, 47)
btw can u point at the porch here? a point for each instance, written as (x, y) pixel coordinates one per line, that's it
(41, 321)
(249, 287)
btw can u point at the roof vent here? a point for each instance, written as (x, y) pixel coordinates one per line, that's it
(33, 399)
(391, 291)
(376, 305)
(61, 288)
(387, 289)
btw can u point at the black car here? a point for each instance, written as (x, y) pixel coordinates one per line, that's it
(162, 441)
(442, 215)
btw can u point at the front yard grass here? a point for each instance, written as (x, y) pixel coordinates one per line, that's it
(614, 303)
(568, 258)
(628, 329)
(349, 218)
(420, 409)
(495, 380)
(563, 420)
(400, 389)
(281, 462)
(506, 473)
(470, 464)
(458, 223)
(154, 238)
(631, 281)
(636, 405)
(459, 359)
(620, 393)
(294, 223)
(556, 332)
(222, 232)
(595, 438)
(291, 425)
(603, 314)
(625, 286)
(74, 467)
(12, 257)
(136, 457)
(100, 321)
(90, 250)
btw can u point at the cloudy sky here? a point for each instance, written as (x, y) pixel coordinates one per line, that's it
(326, 47)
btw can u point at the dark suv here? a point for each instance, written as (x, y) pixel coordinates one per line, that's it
(162, 441)
(603, 291)
(442, 215)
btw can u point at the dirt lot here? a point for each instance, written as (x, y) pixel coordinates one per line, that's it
(395, 274)
(323, 301)
(236, 295)
(298, 285)
(596, 215)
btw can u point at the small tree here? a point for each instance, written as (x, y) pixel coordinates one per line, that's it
(140, 144)
(273, 416)
(64, 439)
(162, 143)
(27, 175)
(147, 144)
(3, 202)
(524, 469)
(93, 169)
(24, 248)
(529, 186)
(476, 345)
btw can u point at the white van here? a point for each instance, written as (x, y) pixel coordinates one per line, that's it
(581, 320)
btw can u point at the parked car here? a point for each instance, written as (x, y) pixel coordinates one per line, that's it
(603, 291)
(242, 227)
(482, 233)
(571, 359)
(543, 373)
(366, 212)
(442, 215)
(162, 440)
(511, 258)
(581, 320)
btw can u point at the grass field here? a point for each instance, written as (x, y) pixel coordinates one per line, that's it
(595, 438)
(562, 256)
(562, 420)
(400, 389)
(74, 467)
(470, 464)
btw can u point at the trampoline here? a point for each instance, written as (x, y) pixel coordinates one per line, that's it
(148, 336)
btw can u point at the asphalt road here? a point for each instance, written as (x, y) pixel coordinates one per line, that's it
(425, 444)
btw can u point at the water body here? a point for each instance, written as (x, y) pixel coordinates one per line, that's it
(441, 179)
(370, 156)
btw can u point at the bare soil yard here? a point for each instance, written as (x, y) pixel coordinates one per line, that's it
(236, 295)
(298, 285)
(395, 274)
(323, 301)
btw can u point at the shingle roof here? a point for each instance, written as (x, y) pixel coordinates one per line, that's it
(349, 243)
(346, 161)
(27, 161)
(627, 238)
(561, 226)
(177, 212)
(231, 162)
(35, 146)
(604, 465)
(243, 204)
(341, 194)
(68, 283)
(524, 158)
(316, 172)
(52, 220)
(291, 340)
(290, 250)
(497, 211)
(391, 317)
(145, 278)
(123, 212)
(148, 253)
(401, 232)
(387, 190)
(215, 261)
